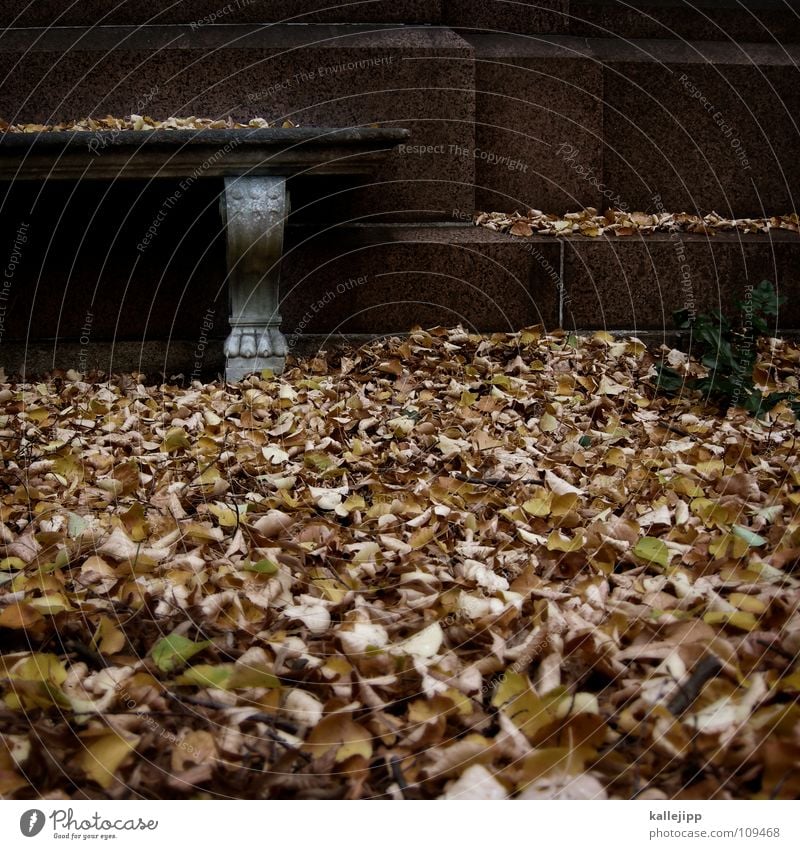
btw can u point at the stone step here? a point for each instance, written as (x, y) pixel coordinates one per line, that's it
(636, 283)
(315, 75)
(648, 124)
(388, 278)
(358, 279)
(355, 279)
(118, 262)
(384, 279)
(214, 12)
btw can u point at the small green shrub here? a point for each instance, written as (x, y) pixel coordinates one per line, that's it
(729, 352)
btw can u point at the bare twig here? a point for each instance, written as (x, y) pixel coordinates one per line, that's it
(397, 774)
(494, 481)
(706, 669)
(270, 721)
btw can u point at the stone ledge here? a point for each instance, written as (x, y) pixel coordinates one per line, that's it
(58, 39)
(761, 20)
(488, 46)
(214, 12)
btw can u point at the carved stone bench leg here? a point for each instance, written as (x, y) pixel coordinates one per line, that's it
(254, 211)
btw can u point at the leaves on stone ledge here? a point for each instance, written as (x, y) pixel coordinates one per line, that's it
(617, 222)
(137, 122)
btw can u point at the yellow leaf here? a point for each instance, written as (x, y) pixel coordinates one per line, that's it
(539, 505)
(339, 733)
(548, 423)
(203, 533)
(560, 542)
(108, 638)
(615, 457)
(719, 547)
(226, 517)
(135, 523)
(464, 706)
(653, 550)
(686, 486)
(710, 467)
(741, 619)
(502, 380)
(511, 685)
(354, 502)
(210, 475)
(361, 747)
(51, 603)
(521, 705)
(207, 675)
(747, 602)
(102, 758)
(563, 504)
(249, 675)
(331, 589)
(176, 438)
(420, 538)
(40, 667)
(554, 760)
(566, 385)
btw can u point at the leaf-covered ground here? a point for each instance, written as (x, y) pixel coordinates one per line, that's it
(441, 565)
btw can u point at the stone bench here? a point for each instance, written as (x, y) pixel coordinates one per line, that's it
(255, 165)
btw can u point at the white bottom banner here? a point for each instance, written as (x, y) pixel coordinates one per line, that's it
(594, 825)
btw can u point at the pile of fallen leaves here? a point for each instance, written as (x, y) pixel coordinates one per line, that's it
(444, 565)
(590, 222)
(138, 122)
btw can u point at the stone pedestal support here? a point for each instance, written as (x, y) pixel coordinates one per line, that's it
(254, 211)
